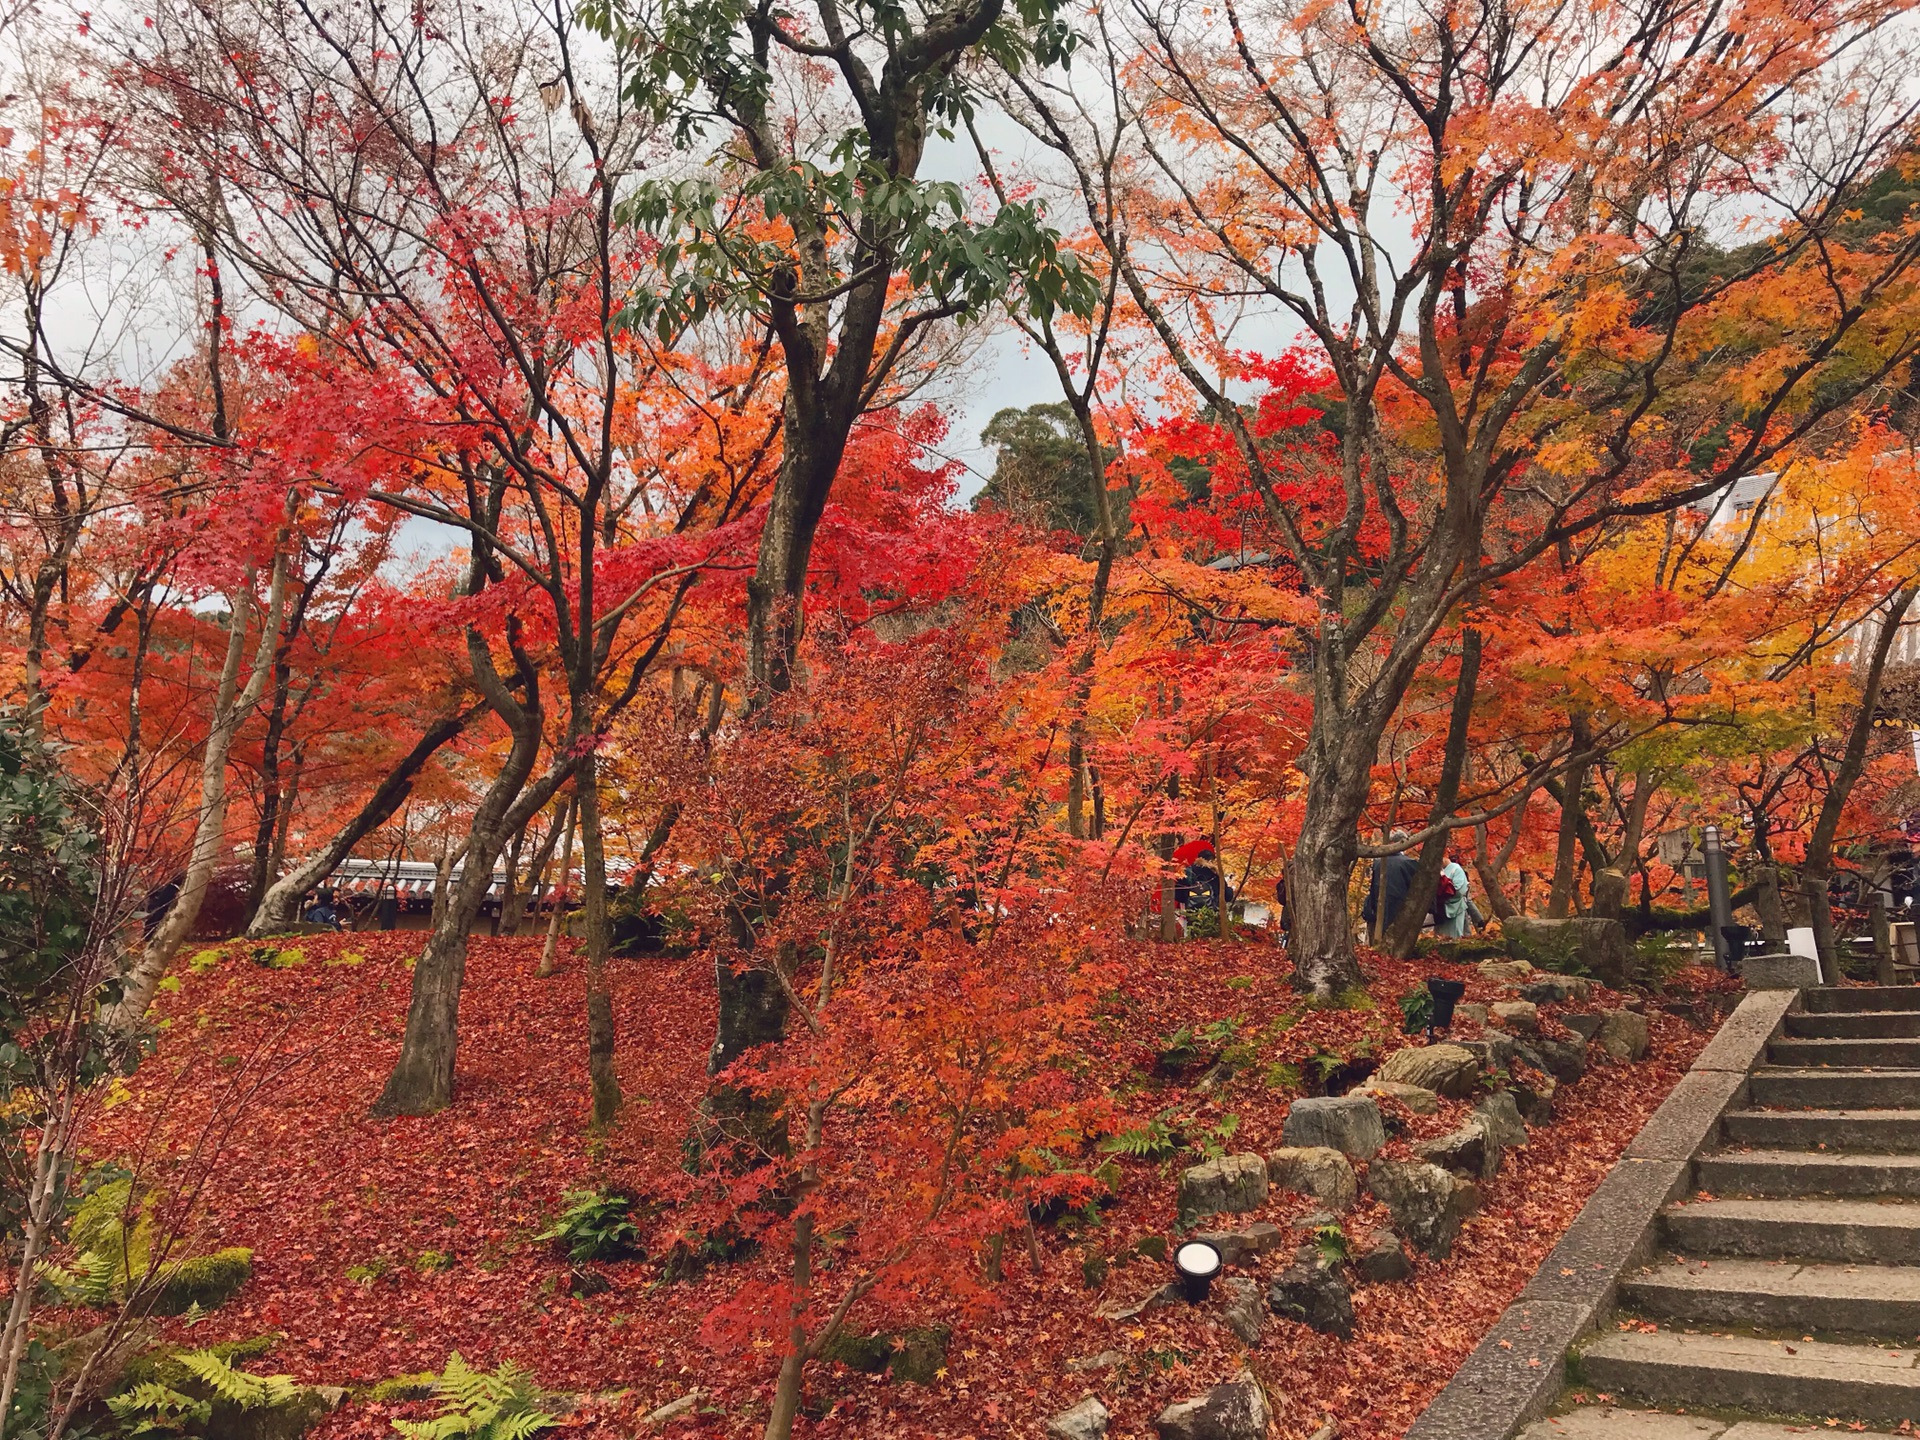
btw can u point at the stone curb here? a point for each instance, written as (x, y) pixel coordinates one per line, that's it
(1513, 1376)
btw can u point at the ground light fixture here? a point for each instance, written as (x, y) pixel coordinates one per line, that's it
(1446, 994)
(1196, 1262)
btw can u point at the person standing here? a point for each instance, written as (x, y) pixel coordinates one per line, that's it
(1450, 905)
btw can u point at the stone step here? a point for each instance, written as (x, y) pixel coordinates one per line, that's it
(1834, 999)
(1793, 1173)
(1861, 1232)
(1613, 1422)
(1774, 1295)
(1787, 1088)
(1739, 1372)
(1856, 1025)
(1869, 1130)
(1893, 1054)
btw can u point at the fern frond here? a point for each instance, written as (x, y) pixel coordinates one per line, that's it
(237, 1387)
(519, 1427)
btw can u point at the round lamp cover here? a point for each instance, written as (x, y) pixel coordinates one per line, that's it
(1196, 1257)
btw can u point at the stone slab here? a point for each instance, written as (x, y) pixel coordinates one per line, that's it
(1512, 1376)
(1854, 1024)
(1614, 1230)
(1790, 1174)
(1743, 1037)
(1895, 1054)
(1855, 1299)
(1855, 1232)
(1835, 1089)
(1829, 999)
(1608, 1422)
(1871, 1131)
(1743, 1372)
(1690, 1115)
(1780, 972)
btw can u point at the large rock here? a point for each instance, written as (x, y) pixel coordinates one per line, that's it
(1384, 1261)
(1312, 1292)
(1582, 945)
(1428, 1204)
(1556, 990)
(1085, 1421)
(1520, 1016)
(1350, 1124)
(1565, 1060)
(1471, 1150)
(1505, 970)
(1584, 1024)
(1241, 1310)
(1471, 1010)
(1624, 1035)
(1494, 1052)
(1501, 1112)
(1232, 1410)
(1317, 1170)
(1444, 1069)
(1245, 1245)
(1417, 1098)
(1232, 1184)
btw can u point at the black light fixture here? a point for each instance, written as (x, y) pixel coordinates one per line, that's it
(1446, 994)
(1196, 1262)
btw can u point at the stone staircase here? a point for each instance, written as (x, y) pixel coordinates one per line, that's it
(1789, 1285)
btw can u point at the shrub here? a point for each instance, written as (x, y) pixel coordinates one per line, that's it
(505, 1405)
(204, 1280)
(198, 1381)
(595, 1225)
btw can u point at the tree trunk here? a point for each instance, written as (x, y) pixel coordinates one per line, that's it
(1566, 859)
(593, 862)
(510, 886)
(230, 707)
(514, 911)
(1404, 933)
(561, 892)
(1816, 872)
(281, 906)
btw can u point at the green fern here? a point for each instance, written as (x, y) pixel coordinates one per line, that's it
(1151, 1141)
(475, 1405)
(92, 1282)
(237, 1387)
(154, 1408)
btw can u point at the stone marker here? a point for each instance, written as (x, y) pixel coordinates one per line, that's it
(1312, 1292)
(1444, 1069)
(1417, 1098)
(1350, 1124)
(1085, 1421)
(1243, 1313)
(1427, 1203)
(1233, 1183)
(1238, 1247)
(1520, 1016)
(1232, 1410)
(1470, 1151)
(1317, 1170)
(1624, 1035)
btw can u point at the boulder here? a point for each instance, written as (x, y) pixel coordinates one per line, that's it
(1557, 990)
(1585, 1025)
(1427, 1203)
(674, 1409)
(1312, 1292)
(1501, 1112)
(1241, 1247)
(1231, 1184)
(1505, 971)
(1384, 1261)
(1241, 1310)
(1348, 1123)
(1565, 1060)
(1317, 1170)
(1232, 1410)
(1494, 1052)
(1520, 1016)
(1624, 1035)
(1534, 1099)
(1085, 1421)
(1471, 1010)
(1444, 1069)
(1470, 1151)
(1581, 945)
(1417, 1098)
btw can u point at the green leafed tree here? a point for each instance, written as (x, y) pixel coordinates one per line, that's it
(1040, 474)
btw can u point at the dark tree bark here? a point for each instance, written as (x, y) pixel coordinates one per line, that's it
(1404, 933)
(604, 1083)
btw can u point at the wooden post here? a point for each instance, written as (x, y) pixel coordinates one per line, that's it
(1882, 940)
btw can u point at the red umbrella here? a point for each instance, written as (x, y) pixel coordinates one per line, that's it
(1192, 851)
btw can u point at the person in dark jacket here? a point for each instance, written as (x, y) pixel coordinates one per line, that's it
(1387, 890)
